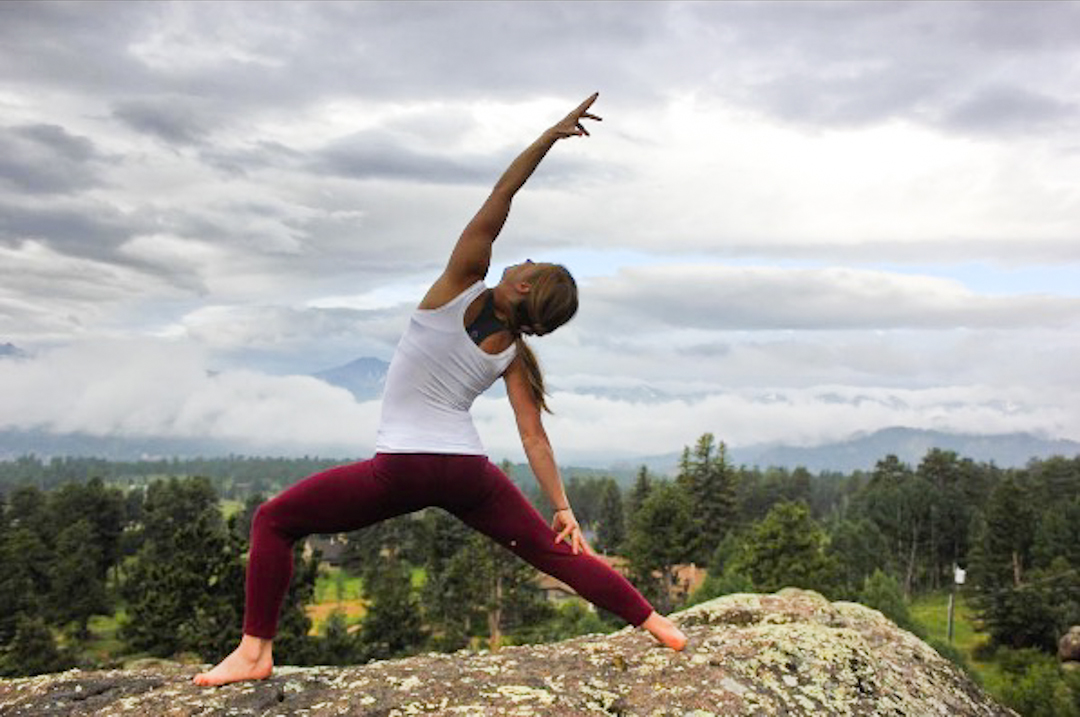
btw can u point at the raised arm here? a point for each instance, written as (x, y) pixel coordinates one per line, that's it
(472, 254)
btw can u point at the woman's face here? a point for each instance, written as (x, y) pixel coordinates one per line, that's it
(523, 271)
(518, 272)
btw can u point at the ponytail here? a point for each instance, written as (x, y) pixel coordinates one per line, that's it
(550, 304)
(533, 373)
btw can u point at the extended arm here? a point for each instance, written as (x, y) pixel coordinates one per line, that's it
(541, 456)
(472, 254)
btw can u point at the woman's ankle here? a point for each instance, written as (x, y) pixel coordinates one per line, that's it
(255, 648)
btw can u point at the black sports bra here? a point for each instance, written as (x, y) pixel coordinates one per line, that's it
(486, 323)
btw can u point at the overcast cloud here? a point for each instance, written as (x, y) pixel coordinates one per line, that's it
(796, 221)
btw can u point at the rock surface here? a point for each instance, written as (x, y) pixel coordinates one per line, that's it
(792, 653)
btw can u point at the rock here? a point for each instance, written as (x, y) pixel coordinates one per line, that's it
(1069, 645)
(792, 653)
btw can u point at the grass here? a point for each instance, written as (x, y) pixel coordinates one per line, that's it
(336, 591)
(230, 507)
(931, 613)
(104, 647)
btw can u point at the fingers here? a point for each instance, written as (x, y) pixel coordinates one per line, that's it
(586, 104)
(580, 113)
(573, 537)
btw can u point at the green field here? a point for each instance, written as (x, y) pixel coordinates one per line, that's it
(931, 613)
(230, 507)
(336, 591)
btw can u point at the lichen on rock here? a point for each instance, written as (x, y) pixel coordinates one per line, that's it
(791, 653)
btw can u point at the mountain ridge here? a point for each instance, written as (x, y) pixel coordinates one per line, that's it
(859, 452)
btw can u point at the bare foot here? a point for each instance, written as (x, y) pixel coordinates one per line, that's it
(252, 660)
(665, 631)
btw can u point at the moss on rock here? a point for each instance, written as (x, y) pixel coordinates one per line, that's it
(791, 653)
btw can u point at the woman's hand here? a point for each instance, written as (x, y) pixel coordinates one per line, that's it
(567, 526)
(570, 126)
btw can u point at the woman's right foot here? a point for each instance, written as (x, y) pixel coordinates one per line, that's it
(251, 660)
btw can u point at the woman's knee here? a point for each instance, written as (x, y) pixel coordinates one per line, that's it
(269, 517)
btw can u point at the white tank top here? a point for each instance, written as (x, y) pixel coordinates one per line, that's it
(436, 374)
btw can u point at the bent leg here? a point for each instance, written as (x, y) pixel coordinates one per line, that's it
(341, 499)
(505, 515)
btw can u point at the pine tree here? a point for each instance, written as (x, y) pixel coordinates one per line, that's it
(1013, 608)
(449, 591)
(338, 647)
(78, 586)
(175, 589)
(950, 513)
(882, 592)
(23, 579)
(901, 504)
(709, 481)
(787, 548)
(392, 625)
(32, 650)
(659, 534)
(642, 487)
(859, 549)
(101, 507)
(612, 524)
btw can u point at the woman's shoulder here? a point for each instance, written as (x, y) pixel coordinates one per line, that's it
(445, 293)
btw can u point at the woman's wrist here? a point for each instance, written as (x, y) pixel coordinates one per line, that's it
(559, 510)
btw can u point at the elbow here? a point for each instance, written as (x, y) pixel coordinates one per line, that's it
(535, 442)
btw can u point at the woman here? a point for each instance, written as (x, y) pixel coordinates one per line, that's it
(460, 339)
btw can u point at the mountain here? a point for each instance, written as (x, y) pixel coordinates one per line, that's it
(15, 443)
(364, 377)
(862, 452)
(10, 350)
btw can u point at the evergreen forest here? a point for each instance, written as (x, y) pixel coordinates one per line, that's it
(103, 563)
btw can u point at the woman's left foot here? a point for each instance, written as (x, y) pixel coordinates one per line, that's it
(665, 631)
(252, 660)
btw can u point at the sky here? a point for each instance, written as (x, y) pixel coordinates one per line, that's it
(796, 221)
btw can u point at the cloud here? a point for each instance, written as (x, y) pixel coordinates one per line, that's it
(840, 64)
(47, 159)
(165, 389)
(377, 154)
(175, 119)
(590, 428)
(1008, 109)
(278, 337)
(755, 299)
(48, 296)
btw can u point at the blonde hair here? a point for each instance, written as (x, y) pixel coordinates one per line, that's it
(551, 302)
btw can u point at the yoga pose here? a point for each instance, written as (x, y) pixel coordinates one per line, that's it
(460, 339)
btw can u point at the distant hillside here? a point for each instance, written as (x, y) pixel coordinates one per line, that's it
(862, 452)
(16, 443)
(1007, 450)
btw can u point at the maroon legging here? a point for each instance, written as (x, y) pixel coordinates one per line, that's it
(353, 496)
